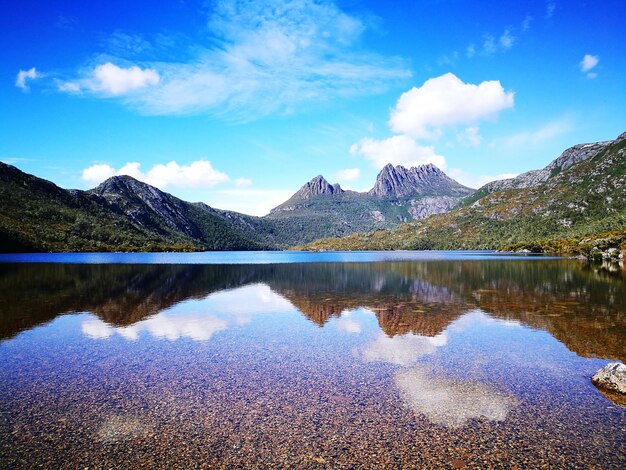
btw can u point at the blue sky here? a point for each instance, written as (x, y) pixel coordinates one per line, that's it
(239, 103)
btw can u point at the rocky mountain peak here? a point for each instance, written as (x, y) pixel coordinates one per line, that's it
(116, 186)
(570, 157)
(318, 186)
(398, 182)
(145, 204)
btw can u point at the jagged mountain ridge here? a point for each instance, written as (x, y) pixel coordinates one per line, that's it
(583, 189)
(399, 182)
(569, 158)
(319, 209)
(578, 197)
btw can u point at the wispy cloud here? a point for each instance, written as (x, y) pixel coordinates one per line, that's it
(24, 76)
(541, 134)
(126, 44)
(349, 174)
(265, 57)
(470, 137)
(550, 7)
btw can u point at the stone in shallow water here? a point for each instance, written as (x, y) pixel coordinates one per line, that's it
(611, 377)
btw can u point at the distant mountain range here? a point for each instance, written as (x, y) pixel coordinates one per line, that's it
(577, 203)
(123, 214)
(582, 191)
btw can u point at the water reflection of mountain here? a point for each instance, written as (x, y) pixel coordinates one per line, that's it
(582, 308)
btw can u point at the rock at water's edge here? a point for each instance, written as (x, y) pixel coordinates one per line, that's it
(611, 377)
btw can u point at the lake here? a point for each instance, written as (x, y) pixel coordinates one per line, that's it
(314, 360)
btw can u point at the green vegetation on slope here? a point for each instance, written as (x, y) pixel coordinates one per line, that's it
(36, 215)
(584, 201)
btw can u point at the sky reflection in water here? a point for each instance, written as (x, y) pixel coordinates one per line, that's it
(455, 345)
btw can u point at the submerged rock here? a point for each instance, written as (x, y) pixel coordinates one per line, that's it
(611, 377)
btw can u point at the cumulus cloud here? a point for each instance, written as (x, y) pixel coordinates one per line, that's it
(588, 63)
(349, 174)
(248, 200)
(264, 57)
(23, 76)
(446, 100)
(397, 150)
(109, 79)
(197, 174)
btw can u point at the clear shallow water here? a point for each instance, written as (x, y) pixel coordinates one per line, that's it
(436, 362)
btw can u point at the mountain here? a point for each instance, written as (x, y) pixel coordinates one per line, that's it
(122, 214)
(575, 204)
(318, 186)
(425, 180)
(399, 195)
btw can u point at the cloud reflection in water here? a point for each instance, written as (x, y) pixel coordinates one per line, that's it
(443, 400)
(210, 315)
(449, 402)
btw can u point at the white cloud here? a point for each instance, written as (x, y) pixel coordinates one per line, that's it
(24, 75)
(349, 174)
(247, 200)
(397, 150)
(446, 100)
(470, 137)
(589, 62)
(198, 174)
(550, 7)
(264, 57)
(69, 87)
(470, 51)
(111, 80)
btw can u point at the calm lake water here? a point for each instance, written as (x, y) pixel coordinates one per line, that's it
(413, 360)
